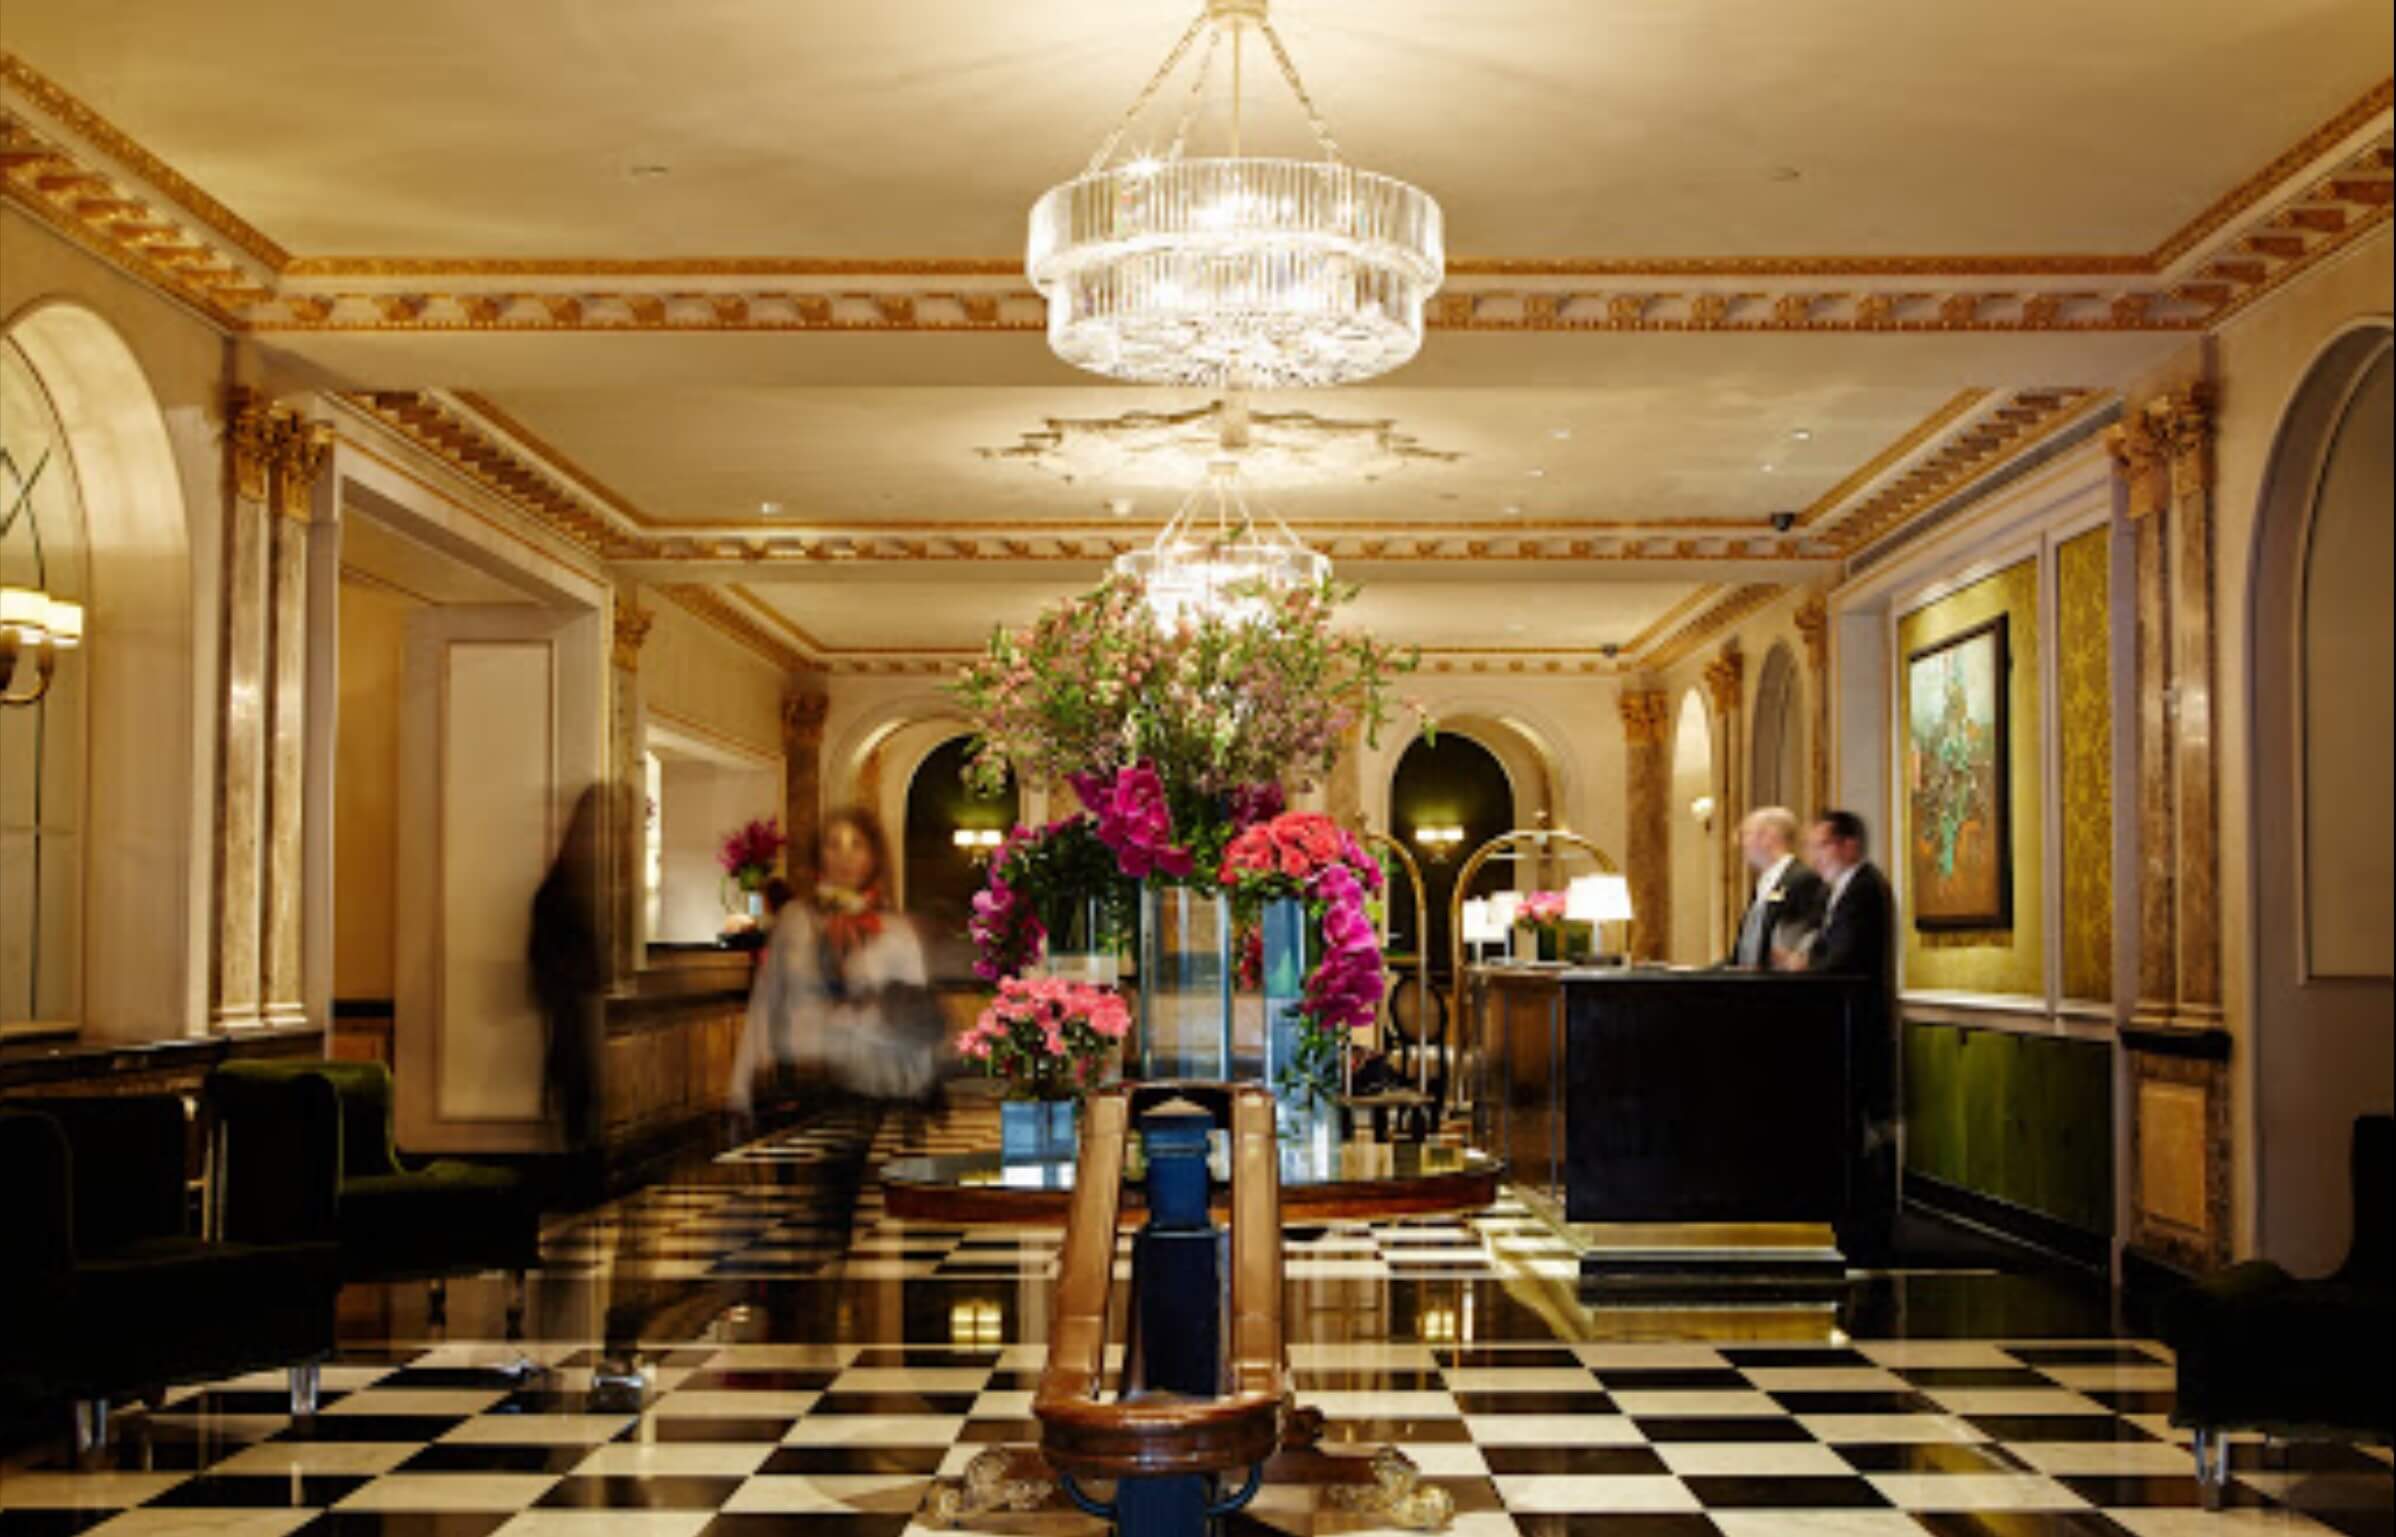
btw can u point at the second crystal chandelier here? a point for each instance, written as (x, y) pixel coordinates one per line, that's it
(1233, 272)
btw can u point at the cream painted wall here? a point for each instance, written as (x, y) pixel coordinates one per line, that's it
(374, 619)
(708, 683)
(154, 736)
(2259, 360)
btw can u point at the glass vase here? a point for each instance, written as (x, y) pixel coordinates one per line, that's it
(1036, 1130)
(1288, 946)
(1075, 951)
(1187, 979)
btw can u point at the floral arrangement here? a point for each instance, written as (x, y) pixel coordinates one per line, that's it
(1047, 1037)
(1040, 881)
(751, 851)
(1305, 856)
(1208, 706)
(1540, 910)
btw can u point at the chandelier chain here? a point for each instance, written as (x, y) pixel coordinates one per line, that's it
(1189, 111)
(1156, 82)
(1314, 114)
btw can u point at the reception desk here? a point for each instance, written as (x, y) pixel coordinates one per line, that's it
(1639, 1096)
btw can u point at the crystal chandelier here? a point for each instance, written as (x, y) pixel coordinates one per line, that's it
(1234, 272)
(1233, 569)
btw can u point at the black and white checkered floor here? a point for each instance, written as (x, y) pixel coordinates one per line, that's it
(798, 1390)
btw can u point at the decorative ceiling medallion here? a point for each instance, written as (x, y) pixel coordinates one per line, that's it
(1274, 449)
(1236, 271)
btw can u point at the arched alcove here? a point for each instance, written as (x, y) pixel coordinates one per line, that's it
(142, 872)
(1454, 781)
(1776, 770)
(2322, 710)
(1695, 850)
(940, 877)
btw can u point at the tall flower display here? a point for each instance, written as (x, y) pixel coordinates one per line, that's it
(1183, 741)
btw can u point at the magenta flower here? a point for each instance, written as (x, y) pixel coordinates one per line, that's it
(1135, 821)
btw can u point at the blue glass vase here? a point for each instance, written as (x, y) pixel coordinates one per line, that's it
(1036, 1130)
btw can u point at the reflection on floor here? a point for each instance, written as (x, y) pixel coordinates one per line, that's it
(806, 1386)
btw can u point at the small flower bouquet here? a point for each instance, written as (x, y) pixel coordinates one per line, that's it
(1305, 856)
(1554, 936)
(751, 851)
(1048, 1038)
(1051, 887)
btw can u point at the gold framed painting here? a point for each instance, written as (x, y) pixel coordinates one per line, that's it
(1958, 795)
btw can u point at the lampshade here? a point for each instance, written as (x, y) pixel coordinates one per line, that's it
(1480, 928)
(23, 608)
(1503, 909)
(1598, 899)
(64, 621)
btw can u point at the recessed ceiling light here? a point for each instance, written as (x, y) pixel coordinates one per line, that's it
(648, 170)
(769, 509)
(1561, 434)
(1516, 627)
(1514, 509)
(1120, 506)
(1802, 434)
(1767, 469)
(1536, 473)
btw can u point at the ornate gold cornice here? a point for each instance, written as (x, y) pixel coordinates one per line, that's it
(1880, 463)
(2356, 116)
(2027, 418)
(803, 715)
(1734, 605)
(1646, 716)
(712, 608)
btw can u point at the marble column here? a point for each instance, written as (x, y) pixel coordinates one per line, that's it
(1647, 811)
(236, 992)
(1343, 795)
(1725, 684)
(2138, 463)
(803, 713)
(2185, 423)
(298, 450)
(626, 744)
(1813, 627)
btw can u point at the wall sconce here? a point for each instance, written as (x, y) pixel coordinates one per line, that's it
(33, 619)
(1702, 808)
(977, 843)
(1440, 843)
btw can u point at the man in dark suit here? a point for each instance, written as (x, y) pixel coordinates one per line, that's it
(1787, 895)
(1857, 938)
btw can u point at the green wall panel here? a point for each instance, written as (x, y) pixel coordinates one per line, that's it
(2022, 1119)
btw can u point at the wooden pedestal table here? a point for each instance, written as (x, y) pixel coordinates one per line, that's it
(1197, 1406)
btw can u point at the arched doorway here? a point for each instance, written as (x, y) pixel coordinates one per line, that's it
(2323, 711)
(124, 867)
(1695, 859)
(1451, 782)
(1776, 773)
(941, 874)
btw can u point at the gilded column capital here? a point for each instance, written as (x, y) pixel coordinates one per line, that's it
(1724, 676)
(300, 449)
(1813, 627)
(803, 721)
(631, 632)
(2183, 426)
(251, 431)
(1646, 715)
(2137, 462)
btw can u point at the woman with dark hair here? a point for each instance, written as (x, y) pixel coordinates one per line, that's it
(842, 991)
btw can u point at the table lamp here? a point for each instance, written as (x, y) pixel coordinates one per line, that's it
(1600, 900)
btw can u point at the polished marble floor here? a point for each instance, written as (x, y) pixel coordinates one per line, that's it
(813, 1379)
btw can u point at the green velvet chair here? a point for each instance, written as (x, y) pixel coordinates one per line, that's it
(396, 1222)
(2302, 1360)
(107, 1292)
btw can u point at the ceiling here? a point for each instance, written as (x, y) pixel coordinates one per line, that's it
(1702, 141)
(922, 128)
(373, 550)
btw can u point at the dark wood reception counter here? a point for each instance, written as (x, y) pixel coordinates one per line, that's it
(1651, 1096)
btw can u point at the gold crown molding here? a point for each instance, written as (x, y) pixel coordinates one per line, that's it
(77, 118)
(712, 608)
(1595, 542)
(1734, 605)
(532, 488)
(1887, 459)
(2258, 186)
(552, 456)
(2027, 419)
